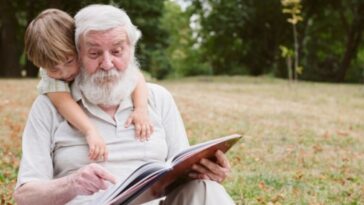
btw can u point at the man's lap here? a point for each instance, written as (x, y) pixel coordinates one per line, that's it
(199, 192)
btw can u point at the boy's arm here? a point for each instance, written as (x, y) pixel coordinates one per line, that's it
(139, 117)
(70, 110)
(140, 94)
(73, 113)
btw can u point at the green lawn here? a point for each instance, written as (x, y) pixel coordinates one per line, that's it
(303, 144)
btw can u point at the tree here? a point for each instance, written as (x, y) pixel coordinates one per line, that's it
(182, 52)
(293, 7)
(9, 43)
(331, 38)
(353, 38)
(241, 37)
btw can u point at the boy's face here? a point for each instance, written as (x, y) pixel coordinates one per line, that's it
(66, 71)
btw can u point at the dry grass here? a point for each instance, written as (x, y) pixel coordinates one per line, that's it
(304, 143)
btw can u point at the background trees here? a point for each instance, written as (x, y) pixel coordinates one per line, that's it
(214, 37)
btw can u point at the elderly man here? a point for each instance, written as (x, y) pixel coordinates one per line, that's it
(55, 168)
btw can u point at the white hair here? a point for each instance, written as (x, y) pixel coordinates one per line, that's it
(98, 17)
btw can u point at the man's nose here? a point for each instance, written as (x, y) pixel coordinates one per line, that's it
(107, 62)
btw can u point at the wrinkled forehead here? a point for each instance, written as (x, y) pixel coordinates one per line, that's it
(107, 37)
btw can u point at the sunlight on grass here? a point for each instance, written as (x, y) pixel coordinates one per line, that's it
(303, 143)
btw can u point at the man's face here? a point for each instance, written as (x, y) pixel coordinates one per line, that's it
(105, 50)
(109, 73)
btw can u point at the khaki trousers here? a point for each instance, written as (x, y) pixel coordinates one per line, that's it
(196, 192)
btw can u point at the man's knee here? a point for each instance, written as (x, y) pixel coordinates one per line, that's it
(199, 192)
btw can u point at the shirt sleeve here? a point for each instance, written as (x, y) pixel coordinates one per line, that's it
(37, 142)
(174, 128)
(50, 85)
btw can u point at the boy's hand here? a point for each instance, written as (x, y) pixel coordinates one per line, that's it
(97, 147)
(143, 126)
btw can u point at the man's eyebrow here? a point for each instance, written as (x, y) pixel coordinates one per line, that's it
(118, 43)
(92, 44)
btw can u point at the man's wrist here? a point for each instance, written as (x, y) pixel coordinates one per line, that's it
(71, 183)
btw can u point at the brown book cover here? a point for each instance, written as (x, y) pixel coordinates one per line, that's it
(156, 179)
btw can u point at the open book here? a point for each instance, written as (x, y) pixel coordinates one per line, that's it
(156, 179)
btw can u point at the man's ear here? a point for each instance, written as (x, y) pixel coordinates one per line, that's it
(136, 34)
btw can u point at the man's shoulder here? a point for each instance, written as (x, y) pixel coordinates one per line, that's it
(43, 104)
(42, 100)
(158, 90)
(158, 94)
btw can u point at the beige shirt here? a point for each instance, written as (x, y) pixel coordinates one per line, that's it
(52, 148)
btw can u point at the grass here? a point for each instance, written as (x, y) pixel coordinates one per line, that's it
(303, 144)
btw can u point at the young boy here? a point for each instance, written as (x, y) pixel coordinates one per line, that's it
(49, 44)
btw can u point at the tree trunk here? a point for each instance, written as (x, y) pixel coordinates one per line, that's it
(296, 58)
(31, 12)
(352, 43)
(9, 46)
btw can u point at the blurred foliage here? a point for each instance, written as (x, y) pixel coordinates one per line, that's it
(183, 54)
(214, 37)
(241, 37)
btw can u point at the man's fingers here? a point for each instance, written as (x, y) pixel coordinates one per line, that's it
(195, 175)
(213, 167)
(105, 175)
(215, 171)
(204, 173)
(199, 169)
(222, 159)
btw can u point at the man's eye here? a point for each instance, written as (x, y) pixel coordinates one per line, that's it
(116, 52)
(93, 54)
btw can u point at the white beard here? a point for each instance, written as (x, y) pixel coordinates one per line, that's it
(109, 87)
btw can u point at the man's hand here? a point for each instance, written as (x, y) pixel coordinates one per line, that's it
(216, 171)
(90, 179)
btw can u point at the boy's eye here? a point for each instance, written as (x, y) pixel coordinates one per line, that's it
(54, 71)
(70, 61)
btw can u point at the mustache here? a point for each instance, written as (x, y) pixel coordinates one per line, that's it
(102, 76)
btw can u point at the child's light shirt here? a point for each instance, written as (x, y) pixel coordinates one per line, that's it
(51, 85)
